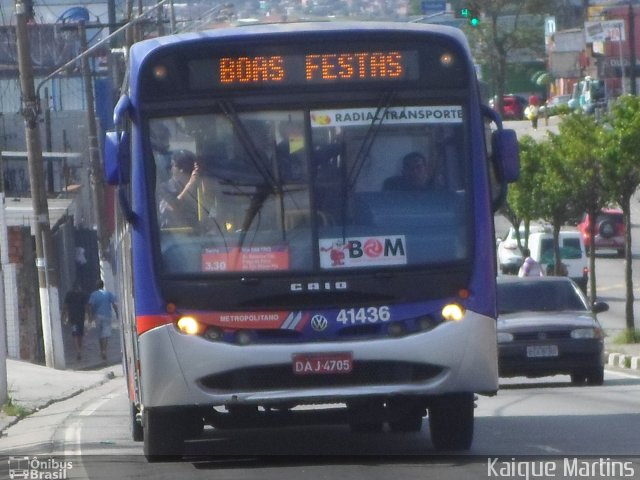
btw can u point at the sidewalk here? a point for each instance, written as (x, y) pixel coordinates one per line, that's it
(34, 387)
(622, 356)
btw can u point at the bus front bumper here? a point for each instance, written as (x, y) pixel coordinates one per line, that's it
(182, 370)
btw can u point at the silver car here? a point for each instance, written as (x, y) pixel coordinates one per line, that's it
(546, 327)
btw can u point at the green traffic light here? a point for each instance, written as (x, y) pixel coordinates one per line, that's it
(474, 22)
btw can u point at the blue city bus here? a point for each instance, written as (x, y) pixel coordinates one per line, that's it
(306, 218)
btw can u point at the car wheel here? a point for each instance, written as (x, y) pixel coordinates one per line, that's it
(451, 421)
(596, 377)
(577, 378)
(607, 229)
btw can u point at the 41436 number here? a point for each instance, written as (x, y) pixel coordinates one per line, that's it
(353, 316)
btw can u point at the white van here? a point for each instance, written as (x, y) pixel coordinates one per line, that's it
(572, 254)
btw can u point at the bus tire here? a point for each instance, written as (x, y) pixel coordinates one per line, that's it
(451, 421)
(405, 416)
(163, 437)
(137, 432)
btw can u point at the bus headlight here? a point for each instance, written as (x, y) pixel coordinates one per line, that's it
(188, 325)
(213, 333)
(452, 312)
(396, 329)
(244, 337)
(426, 323)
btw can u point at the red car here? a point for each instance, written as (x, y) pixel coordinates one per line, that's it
(513, 107)
(609, 233)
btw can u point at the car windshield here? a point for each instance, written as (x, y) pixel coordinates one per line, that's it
(609, 217)
(261, 174)
(570, 250)
(539, 296)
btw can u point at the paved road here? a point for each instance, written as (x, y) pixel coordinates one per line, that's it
(547, 417)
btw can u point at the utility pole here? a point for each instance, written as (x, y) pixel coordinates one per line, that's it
(45, 260)
(4, 389)
(632, 49)
(95, 164)
(48, 139)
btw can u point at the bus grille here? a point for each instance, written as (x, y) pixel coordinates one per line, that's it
(282, 377)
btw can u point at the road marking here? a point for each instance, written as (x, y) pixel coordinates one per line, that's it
(90, 410)
(73, 439)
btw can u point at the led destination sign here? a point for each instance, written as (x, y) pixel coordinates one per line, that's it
(303, 69)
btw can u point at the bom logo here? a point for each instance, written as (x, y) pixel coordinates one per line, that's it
(374, 248)
(364, 251)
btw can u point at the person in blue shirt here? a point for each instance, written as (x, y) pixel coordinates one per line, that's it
(100, 308)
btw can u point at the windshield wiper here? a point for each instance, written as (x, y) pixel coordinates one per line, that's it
(255, 156)
(369, 138)
(352, 175)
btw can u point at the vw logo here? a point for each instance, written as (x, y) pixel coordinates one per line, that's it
(319, 323)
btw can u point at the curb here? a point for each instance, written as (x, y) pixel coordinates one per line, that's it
(620, 360)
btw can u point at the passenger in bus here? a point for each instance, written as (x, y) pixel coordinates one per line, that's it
(418, 173)
(178, 196)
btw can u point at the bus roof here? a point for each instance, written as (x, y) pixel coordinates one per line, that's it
(142, 50)
(309, 28)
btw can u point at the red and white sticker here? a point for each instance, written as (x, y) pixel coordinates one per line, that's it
(256, 259)
(362, 251)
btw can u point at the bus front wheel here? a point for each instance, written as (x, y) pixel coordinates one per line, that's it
(451, 421)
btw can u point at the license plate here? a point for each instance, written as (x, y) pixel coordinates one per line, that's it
(536, 351)
(322, 363)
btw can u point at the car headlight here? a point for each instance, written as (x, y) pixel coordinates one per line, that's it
(504, 337)
(586, 333)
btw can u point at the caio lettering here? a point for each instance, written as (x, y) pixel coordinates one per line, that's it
(318, 286)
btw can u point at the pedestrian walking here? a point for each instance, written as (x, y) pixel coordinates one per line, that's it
(73, 312)
(532, 111)
(529, 268)
(100, 308)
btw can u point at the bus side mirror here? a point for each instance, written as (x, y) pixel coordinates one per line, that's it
(506, 151)
(117, 160)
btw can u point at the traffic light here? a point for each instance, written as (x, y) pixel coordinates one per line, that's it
(471, 15)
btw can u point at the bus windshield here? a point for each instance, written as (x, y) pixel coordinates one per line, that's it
(311, 190)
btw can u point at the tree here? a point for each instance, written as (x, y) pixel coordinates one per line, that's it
(622, 177)
(523, 196)
(580, 142)
(503, 33)
(557, 186)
